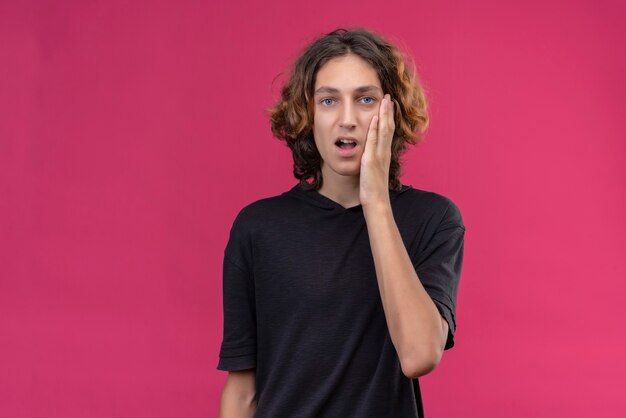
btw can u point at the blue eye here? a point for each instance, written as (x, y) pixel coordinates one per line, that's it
(367, 100)
(327, 102)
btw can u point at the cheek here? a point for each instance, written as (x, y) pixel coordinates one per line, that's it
(367, 115)
(321, 122)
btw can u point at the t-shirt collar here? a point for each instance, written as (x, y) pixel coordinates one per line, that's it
(314, 198)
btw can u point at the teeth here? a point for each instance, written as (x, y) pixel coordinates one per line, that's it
(346, 141)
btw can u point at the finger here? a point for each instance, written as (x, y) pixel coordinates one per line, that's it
(372, 136)
(385, 128)
(391, 124)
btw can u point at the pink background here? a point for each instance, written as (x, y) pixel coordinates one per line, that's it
(132, 132)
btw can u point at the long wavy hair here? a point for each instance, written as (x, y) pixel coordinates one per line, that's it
(292, 116)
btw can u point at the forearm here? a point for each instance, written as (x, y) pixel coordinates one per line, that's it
(237, 401)
(233, 407)
(414, 323)
(236, 410)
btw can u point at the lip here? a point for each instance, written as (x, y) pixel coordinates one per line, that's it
(346, 152)
(351, 138)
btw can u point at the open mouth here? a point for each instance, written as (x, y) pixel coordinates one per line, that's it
(345, 143)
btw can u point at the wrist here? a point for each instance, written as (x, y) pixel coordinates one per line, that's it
(377, 209)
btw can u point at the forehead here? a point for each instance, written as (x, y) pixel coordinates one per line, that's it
(346, 72)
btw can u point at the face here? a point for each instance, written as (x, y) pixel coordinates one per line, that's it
(347, 95)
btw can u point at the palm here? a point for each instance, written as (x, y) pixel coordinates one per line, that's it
(376, 159)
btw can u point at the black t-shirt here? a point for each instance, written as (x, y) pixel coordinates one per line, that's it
(302, 304)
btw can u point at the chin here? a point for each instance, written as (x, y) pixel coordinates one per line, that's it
(347, 169)
(349, 173)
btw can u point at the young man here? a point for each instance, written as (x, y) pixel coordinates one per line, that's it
(341, 292)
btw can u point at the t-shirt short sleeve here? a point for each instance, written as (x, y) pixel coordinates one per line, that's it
(438, 265)
(239, 344)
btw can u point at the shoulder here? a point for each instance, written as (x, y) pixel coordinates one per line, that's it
(436, 207)
(261, 212)
(249, 224)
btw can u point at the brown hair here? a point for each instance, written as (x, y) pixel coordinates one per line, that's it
(292, 116)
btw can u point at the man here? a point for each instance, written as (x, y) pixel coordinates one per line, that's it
(341, 292)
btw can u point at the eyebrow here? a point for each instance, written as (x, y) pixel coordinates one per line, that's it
(361, 89)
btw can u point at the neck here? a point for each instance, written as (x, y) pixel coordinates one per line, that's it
(342, 189)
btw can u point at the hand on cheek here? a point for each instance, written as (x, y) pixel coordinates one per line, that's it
(376, 159)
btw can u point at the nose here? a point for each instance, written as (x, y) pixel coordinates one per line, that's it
(347, 118)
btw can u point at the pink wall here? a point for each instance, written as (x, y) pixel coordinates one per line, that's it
(132, 132)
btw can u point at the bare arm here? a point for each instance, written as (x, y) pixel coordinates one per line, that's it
(239, 395)
(416, 327)
(417, 330)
